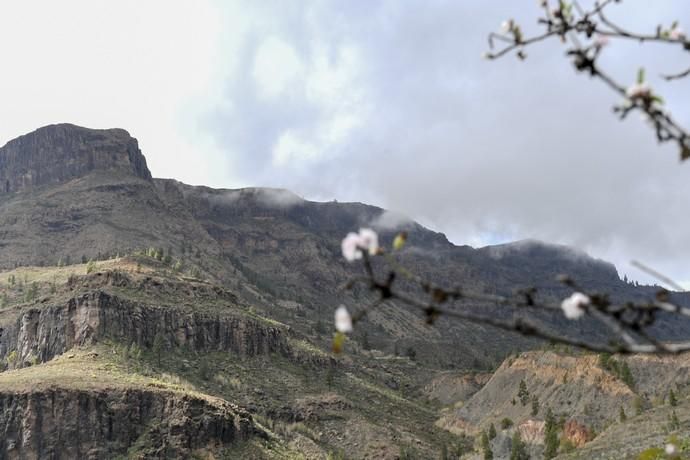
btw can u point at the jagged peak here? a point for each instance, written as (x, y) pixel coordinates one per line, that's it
(57, 153)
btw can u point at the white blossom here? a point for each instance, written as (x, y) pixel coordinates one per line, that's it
(507, 26)
(350, 247)
(676, 34)
(573, 306)
(343, 320)
(601, 41)
(354, 243)
(369, 240)
(638, 90)
(670, 449)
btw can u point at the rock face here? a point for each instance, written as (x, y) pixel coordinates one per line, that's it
(59, 153)
(573, 385)
(63, 423)
(532, 431)
(577, 433)
(39, 334)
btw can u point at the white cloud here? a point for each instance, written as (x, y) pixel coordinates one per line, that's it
(290, 148)
(276, 67)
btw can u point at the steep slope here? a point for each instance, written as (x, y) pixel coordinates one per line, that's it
(587, 394)
(232, 292)
(82, 406)
(140, 323)
(76, 194)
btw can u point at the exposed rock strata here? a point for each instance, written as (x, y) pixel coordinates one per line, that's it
(101, 424)
(40, 333)
(58, 153)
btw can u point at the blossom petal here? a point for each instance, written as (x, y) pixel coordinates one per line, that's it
(343, 320)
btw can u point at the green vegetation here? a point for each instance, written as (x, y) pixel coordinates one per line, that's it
(551, 442)
(618, 368)
(518, 450)
(492, 431)
(535, 406)
(523, 394)
(506, 423)
(673, 422)
(672, 400)
(90, 267)
(486, 447)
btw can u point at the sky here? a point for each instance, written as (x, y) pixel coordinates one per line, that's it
(387, 102)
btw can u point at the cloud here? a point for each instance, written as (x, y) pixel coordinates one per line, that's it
(274, 198)
(387, 103)
(484, 151)
(391, 220)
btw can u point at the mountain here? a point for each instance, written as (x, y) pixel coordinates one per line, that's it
(178, 320)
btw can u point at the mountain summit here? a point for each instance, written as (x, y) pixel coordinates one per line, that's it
(58, 153)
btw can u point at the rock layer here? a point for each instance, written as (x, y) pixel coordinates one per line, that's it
(59, 153)
(62, 423)
(40, 333)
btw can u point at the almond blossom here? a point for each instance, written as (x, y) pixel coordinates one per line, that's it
(601, 41)
(343, 320)
(676, 33)
(639, 90)
(573, 306)
(354, 243)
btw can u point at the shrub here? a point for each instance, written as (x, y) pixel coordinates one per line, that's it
(90, 267)
(506, 423)
(523, 394)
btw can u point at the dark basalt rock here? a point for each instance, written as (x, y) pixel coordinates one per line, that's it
(62, 423)
(58, 153)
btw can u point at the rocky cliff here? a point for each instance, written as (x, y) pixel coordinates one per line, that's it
(63, 423)
(39, 333)
(59, 153)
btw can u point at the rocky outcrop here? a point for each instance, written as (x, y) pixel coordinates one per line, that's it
(450, 387)
(532, 431)
(576, 433)
(59, 153)
(575, 386)
(38, 334)
(63, 423)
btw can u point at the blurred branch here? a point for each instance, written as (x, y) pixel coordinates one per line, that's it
(568, 21)
(628, 323)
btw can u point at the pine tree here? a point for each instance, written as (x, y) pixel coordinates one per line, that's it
(535, 405)
(672, 401)
(518, 450)
(31, 292)
(550, 436)
(523, 394)
(486, 447)
(621, 415)
(675, 423)
(492, 431)
(158, 342)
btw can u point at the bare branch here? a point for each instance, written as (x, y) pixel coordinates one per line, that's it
(639, 316)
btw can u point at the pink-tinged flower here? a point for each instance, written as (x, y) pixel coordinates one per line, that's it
(601, 41)
(351, 247)
(507, 26)
(573, 306)
(370, 240)
(354, 243)
(639, 90)
(343, 320)
(676, 33)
